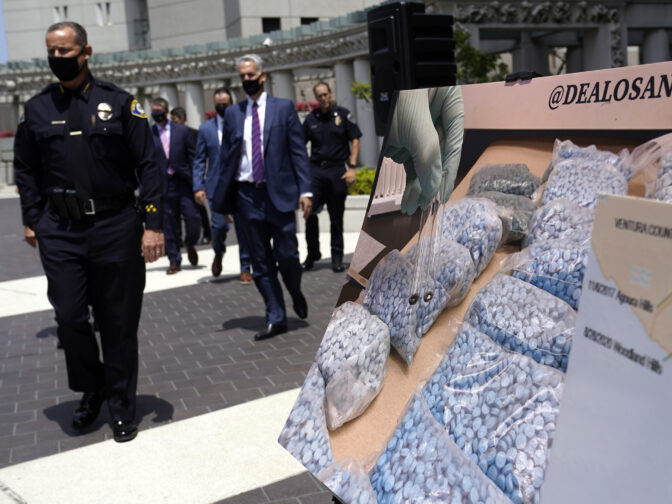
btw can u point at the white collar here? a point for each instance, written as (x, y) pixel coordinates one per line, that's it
(261, 101)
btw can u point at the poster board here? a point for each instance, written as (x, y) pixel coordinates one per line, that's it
(504, 110)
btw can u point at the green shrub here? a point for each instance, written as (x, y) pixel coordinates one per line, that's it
(363, 181)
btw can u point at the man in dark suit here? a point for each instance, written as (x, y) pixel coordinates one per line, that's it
(179, 115)
(265, 176)
(175, 153)
(206, 171)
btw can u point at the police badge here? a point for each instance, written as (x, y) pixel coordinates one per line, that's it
(104, 111)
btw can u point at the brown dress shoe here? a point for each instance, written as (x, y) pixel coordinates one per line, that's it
(245, 278)
(192, 255)
(217, 265)
(173, 268)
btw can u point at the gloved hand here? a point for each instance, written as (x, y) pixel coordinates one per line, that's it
(426, 137)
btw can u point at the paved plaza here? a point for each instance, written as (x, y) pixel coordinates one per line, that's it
(211, 400)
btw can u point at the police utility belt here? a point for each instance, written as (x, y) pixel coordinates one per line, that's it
(70, 206)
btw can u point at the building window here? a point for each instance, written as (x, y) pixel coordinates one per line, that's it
(307, 21)
(269, 24)
(60, 13)
(103, 13)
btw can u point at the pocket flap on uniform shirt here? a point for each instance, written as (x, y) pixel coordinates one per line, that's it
(49, 131)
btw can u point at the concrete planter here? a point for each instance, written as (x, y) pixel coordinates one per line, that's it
(355, 210)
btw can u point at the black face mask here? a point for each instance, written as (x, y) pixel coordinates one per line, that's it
(65, 69)
(158, 116)
(252, 86)
(221, 109)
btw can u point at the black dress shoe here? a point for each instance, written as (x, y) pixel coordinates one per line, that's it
(88, 409)
(310, 262)
(124, 431)
(192, 255)
(270, 331)
(300, 306)
(338, 267)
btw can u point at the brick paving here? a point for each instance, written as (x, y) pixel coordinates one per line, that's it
(301, 489)
(196, 356)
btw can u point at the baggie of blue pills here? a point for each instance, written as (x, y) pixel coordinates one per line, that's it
(524, 319)
(663, 186)
(406, 298)
(490, 401)
(582, 181)
(566, 149)
(348, 481)
(352, 359)
(475, 224)
(515, 212)
(561, 218)
(515, 178)
(421, 464)
(556, 266)
(505, 420)
(305, 433)
(447, 262)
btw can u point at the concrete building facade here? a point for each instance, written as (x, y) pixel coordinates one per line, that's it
(116, 25)
(198, 21)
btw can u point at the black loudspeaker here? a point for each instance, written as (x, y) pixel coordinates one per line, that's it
(408, 49)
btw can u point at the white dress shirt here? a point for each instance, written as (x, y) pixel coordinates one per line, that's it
(219, 121)
(245, 170)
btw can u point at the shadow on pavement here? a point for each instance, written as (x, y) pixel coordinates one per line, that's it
(255, 323)
(47, 332)
(146, 406)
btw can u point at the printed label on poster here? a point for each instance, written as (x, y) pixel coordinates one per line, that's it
(612, 441)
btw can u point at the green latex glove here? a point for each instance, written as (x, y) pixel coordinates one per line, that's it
(426, 137)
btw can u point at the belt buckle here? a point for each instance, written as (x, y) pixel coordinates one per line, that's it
(89, 207)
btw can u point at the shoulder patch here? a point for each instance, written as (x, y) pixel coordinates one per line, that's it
(22, 118)
(137, 110)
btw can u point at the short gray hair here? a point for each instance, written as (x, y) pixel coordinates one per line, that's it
(254, 58)
(81, 38)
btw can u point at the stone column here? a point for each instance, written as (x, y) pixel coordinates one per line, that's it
(344, 77)
(368, 154)
(475, 35)
(574, 59)
(194, 105)
(656, 46)
(530, 55)
(282, 85)
(169, 92)
(146, 101)
(16, 107)
(597, 50)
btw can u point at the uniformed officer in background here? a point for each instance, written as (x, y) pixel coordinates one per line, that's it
(332, 166)
(81, 146)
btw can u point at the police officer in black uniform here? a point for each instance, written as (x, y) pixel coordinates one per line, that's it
(80, 149)
(332, 164)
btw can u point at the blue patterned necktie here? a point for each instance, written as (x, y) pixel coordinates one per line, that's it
(257, 160)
